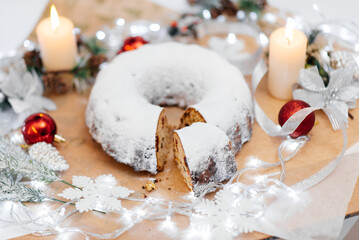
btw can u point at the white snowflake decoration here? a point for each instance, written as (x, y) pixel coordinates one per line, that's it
(98, 194)
(234, 210)
(226, 216)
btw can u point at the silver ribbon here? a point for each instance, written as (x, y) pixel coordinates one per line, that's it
(272, 129)
(267, 124)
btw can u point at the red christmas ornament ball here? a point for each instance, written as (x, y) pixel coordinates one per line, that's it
(132, 43)
(39, 127)
(289, 109)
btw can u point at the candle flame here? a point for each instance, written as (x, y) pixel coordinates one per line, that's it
(55, 21)
(289, 30)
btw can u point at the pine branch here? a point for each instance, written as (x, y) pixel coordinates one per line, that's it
(69, 184)
(12, 190)
(312, 61)
(249, 6)
(14, 160)
(313, 36)
(94, 46)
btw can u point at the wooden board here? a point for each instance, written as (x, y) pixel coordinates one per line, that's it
(86, 157)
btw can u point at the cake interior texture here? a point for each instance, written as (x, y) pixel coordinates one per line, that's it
(204, 157)
(180, 158)
(163, 141)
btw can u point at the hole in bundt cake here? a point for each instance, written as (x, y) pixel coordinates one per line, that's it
(174, 89)
(172, 85)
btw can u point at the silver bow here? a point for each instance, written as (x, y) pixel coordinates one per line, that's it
(335, 99)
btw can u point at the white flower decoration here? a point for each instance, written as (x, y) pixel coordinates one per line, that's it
(335, 99)
(98, 194)
(24, 91)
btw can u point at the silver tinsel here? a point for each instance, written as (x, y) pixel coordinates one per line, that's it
(48, 155)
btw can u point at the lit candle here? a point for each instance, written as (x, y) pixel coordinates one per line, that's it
(57, 42)
(287, 53)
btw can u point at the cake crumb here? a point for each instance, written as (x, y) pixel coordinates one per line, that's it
(169, 188)
(149, 186)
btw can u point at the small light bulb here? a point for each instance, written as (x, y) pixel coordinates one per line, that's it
(315, 7)
(100, 35)
(253, 162)
(120, 22)
(292, 193)
(260, 178)
(141, 212)
(155, 27)
(206, 14)
(231, 38)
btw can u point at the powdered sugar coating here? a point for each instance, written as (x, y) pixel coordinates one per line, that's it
(197, 140)
(228, 105)
(122, 113)
(208, 154)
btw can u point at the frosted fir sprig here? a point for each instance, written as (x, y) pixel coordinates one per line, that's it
(14, 160)
(12, 190)
(16, 165)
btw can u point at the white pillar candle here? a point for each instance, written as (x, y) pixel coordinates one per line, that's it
(57, 42)
(287, 53)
